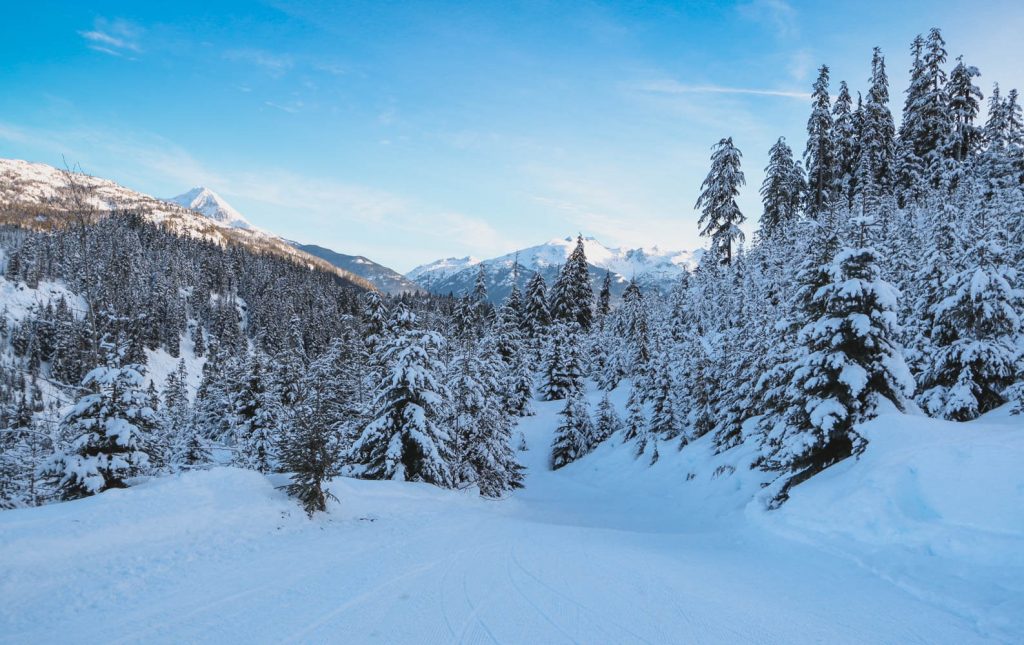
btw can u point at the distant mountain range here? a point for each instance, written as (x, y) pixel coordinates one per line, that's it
(653, 268)
(385, 279)
(203, 213)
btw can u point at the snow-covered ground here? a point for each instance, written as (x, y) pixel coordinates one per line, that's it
(921, 541)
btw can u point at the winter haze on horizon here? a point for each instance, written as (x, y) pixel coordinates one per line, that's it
(412, 132)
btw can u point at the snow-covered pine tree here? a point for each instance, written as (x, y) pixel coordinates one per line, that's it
(606, 353)
(877, 140)
(720, 215)
(938, 261)
(636, 427)
(536, 316)
(255, 416)
(198, 341)
(845, 147)
(481, 309)
(964, 104)
(976, 326)
(819, 158)
(635, 331)
(515, 377)
(175, 413)
(407, 440)
(926, 120)
(309, 450)
(852, 365)
(604, 298)
(782, 190)
(482, 425)
(664, 421)
(563, 364)
(375, 324)
(572, 296)
(606, 421)
(290, 364)
(574, 436)
(107, 429)
(26, 448)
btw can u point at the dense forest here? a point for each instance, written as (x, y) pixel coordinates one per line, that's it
(883, 274)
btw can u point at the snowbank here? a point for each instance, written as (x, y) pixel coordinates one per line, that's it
(935, 506)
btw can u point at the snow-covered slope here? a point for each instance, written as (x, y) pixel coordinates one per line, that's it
(34, 194)
(653, 268)
(385, 279)
(890, 549)
(438, 270)
(205, 201)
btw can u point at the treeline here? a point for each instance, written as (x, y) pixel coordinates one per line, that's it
(884, 275)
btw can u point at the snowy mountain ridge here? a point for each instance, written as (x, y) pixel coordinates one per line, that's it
(652, 267)
(48, 193)
(387, 280)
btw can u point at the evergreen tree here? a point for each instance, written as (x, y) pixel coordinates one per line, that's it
(637, 428)
(782, 189)
(572, 297)
(310, 449)
(607, 422)
(964, 104)
(482, 425)
(845, 146)
(852, 364)
(663, 415)
(877, 139)
(516, 378)
(536, 316)
(574, 435)
(107, 429)
(562, 365)
(604, 299)
(975, 329)
(375, 324)
(720, 215)
(482, 311)
(407, 439)
(198, 341)
(255, 416)
(926, 119)
(175, 414)
(819, 157)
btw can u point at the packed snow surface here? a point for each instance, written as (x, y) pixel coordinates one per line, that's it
(921, 541)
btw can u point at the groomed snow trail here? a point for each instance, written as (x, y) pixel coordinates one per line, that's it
(579, 556)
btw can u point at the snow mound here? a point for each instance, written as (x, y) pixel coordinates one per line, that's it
(935, 506)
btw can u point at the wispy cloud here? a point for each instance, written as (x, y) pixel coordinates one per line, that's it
(117, 37)
(618, 212)
(275, 64)
(292, 107)
(675, 87)
(779, 15)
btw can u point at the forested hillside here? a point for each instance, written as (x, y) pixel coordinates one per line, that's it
(883, 275)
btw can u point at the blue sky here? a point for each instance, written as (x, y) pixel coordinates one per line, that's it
(412, 131)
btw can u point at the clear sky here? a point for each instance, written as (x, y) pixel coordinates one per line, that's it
(412, 131)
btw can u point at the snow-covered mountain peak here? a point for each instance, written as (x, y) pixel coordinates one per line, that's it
(213, 206)
(651, 266)
(440, 269)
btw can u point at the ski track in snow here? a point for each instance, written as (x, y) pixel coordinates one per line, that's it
(598, 552)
